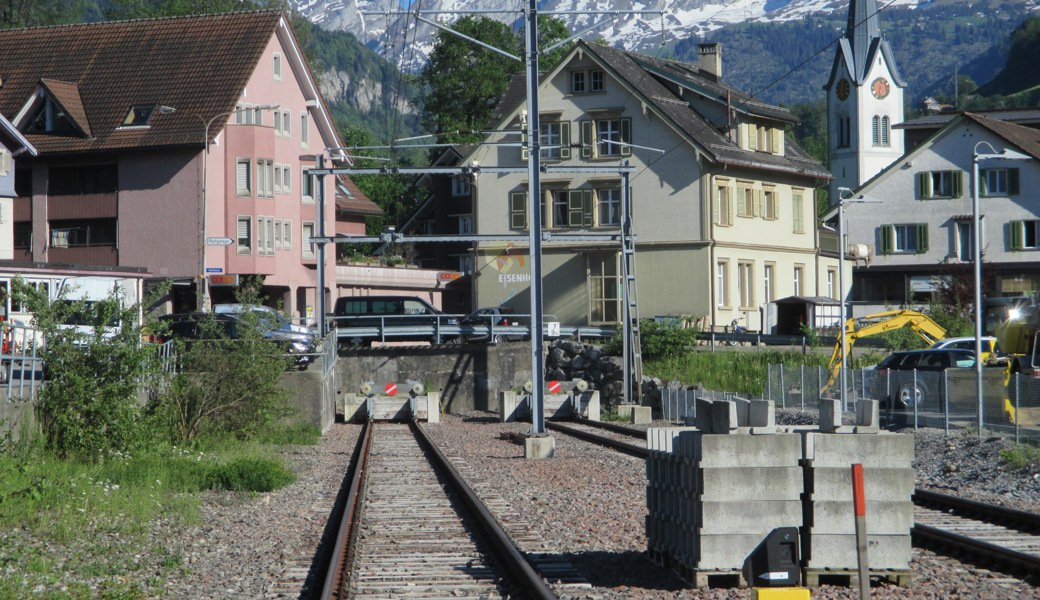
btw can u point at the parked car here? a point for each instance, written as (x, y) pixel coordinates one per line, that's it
(269, 316)
(391, 311)
(990, 345)
(494, 316)
(196, 326)
(894, 383)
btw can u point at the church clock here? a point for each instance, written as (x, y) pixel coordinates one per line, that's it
(842, 89)
(880, 88)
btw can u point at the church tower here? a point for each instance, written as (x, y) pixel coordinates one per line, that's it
(864, 102)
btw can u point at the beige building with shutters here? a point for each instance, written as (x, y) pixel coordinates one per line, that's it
(723, 201)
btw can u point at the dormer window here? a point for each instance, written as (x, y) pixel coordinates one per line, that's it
(50, 118)
(595, 80)
(139, 116)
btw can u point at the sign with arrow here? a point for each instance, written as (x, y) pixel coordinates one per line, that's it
(219, 241)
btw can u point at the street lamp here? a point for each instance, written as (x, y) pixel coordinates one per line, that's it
(977, 254)
(201, 289)
(842, 201)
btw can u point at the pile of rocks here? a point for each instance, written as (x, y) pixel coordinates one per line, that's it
(569, 360)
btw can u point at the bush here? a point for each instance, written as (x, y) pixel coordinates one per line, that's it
(249, 475)
(658, 340)
(89, 406)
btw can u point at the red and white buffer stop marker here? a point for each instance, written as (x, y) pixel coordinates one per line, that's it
(554, 387)
(390, 389)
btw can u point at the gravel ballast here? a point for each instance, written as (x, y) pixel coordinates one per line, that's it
(589, 503)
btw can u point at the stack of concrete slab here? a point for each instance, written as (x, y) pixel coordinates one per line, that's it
(829, 540)
(716, 491)
(713, 498)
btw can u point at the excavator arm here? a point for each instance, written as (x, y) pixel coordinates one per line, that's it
(925, 328)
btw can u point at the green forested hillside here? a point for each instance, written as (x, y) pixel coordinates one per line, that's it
(788, 63)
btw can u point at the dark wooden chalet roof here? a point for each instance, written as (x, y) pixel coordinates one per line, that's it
(98, 71)
(350, 200)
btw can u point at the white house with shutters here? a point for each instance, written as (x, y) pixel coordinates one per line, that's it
(723, 201)
(919, 228)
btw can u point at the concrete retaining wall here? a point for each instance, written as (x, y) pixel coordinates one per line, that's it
(468, 376)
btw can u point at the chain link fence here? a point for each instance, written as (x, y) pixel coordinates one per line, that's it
(949, 400)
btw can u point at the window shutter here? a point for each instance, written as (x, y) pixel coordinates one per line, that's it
(242, 177)
(517, 210)
(587, 208)
(565, 140)
(924, 184)
(758, 203)
(575, 208)
(1016, 233)
(259, 178)
(626, 136)
(958, 183)
(261, 237)
(523, 145)
(752, 137)
(270, 236)
(278, 234)
(287, 234)
(777, 136)
(586, 139)
(885, 233)
(983, 184)
(922, 238)
(1012, 182)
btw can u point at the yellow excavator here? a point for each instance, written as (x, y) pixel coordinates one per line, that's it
(927, 329)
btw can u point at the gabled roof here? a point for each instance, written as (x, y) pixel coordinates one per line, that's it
(197, 64)
(643, 78)
(1024, 139)
(1025, 116)
(351, 200)
(67, 96)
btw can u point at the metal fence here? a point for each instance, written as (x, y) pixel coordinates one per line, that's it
(947, 400)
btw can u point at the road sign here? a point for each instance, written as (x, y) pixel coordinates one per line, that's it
(214, 269)
(219, 241)
(554, 387)
(390, 389)
(552, 329)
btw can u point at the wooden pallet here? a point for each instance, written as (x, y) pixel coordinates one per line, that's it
(700, 578)
(850, 577)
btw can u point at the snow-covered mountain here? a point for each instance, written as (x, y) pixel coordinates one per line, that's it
(408, 46)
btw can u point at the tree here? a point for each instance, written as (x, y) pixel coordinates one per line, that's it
(465, 81)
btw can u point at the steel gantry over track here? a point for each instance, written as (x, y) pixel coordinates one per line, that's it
(535, 236)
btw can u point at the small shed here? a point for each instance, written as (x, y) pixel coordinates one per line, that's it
(794, 311)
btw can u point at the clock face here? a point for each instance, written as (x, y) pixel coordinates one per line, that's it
(842, 89)
(880, 88)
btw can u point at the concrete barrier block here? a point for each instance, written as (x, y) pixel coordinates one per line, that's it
(350, 405)
(625, 410)
(591, 405)
(641, 415)
(746, 517)
(537, 447)
(559, 406)
(762, 413)
(826, 484)
(830, 415)
(703, 417)
(883, 518)
(838, 551)
(662, 438)
(743, 408)
(433, 407)
(867, 416)
(709, 450)
(723, 552)
(514, 406)
(885, 450)
(723, 416)
(758, 483)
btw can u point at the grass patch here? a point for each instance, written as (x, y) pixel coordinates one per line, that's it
(79, 527)
(738, 371)
(286, 435)
(1022, 456)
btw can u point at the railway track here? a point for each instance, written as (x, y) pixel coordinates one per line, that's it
(413, 529)
(1005, 538)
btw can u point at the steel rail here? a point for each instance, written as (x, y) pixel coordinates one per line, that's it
(624, 447)
(614, 427)
(1020, 561)
(340, 552)
(524, 575)
(1017, 519)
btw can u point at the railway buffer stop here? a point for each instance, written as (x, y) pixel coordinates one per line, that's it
(409, 401)
(717, 490)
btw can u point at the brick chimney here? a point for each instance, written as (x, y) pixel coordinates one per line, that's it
(710, 59)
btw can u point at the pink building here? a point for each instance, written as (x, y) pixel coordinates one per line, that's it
(160, 141)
